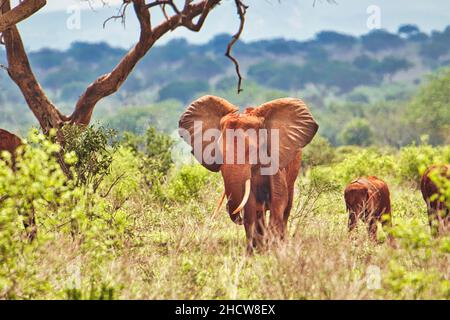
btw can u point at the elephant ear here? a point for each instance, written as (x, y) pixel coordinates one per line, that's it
(207, 110)
(295, 123)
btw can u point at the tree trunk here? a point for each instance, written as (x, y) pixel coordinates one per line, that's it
(47, 114)
(20, 71)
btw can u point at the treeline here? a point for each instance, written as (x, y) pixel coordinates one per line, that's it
(179, 69)
(364, 90)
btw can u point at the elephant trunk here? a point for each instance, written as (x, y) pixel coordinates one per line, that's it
(237, 179)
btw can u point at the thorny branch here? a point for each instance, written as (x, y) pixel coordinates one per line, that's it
(120, 14)
(187, 22)
(241, 10)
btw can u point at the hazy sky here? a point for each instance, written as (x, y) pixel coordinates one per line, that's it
(292, 19)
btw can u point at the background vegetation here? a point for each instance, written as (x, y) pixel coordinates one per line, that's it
(352, 84)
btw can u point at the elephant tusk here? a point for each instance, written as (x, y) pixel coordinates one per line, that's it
(219, 205)
(245, 199)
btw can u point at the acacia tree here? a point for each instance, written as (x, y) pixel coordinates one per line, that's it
(22, 11)
(191, 15)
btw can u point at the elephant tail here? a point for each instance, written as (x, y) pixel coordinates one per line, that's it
(219, 205)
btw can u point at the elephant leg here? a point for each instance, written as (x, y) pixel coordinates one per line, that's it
(288, 209)
(433, 221)
(442, 218)
(446, 221)
(276, 223)
(250, 234)
(386, 224)
(291, 176)
(278, 204)
(260, 235)
(352, 221)
(372, 229)
(250, 224)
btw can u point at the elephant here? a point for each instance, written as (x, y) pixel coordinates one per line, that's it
(9, 142)
(368, 199)
(438, 211)
(255, 184)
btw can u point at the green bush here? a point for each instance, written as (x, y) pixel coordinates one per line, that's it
(153, 149)
(318, 152)
(187, 182)
(413, 160)
(125, 177)
(37, 184)
(368, 162)
(94, 147)
(61, 207)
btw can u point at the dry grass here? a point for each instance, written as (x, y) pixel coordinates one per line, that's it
(177, 252)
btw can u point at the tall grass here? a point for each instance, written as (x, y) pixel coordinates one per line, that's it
(137, 243)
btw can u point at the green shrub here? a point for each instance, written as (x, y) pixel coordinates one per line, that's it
(318, 152)
(342, 152)
(94, 147)
(125, 177)
(61, 209)
(415, 284)
(443, 184)
(367, 162)
(38, 185)
(187, 183)
(154, 153)
(414, 160)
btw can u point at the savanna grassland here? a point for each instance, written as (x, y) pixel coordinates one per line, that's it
(131, 225)
(120, 216)
(122, 213)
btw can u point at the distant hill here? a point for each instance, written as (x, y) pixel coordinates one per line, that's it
(332, 67)
(179, 69)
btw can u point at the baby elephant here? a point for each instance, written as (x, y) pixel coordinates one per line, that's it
(368, 199)
(438, 212)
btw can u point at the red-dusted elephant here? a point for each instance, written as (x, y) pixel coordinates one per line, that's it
(438, 211)
(253, 184)
(9, 142)
(368, 199)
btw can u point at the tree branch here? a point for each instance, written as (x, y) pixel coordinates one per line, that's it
(22, 11)
(111, 82)
(241, 10)
(120, 15)
(187, 21)
(47, 114)
(163, 3)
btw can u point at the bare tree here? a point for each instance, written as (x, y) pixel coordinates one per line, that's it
(191, 16)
